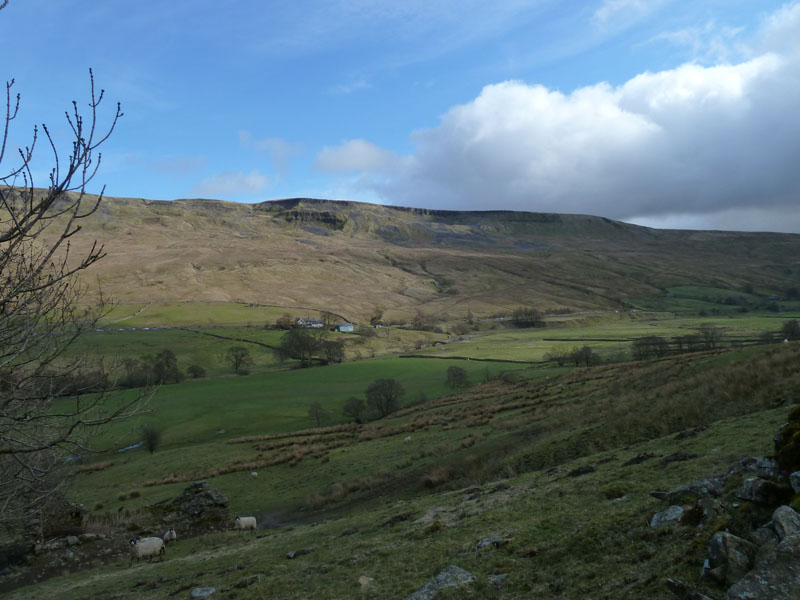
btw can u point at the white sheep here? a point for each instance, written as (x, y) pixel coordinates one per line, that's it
(406, 439)
(253, 473)
(245, 523)
(170, 535)
(146, 548)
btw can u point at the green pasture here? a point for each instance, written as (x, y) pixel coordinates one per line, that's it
(611, 333)
(197, 418)
(204, 347)
(683, 299)
(183, 314)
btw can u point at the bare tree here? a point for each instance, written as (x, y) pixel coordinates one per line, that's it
(239, 358)
(45, 412)
(457, 378)
(355, 409)
(317, 414)
(383, 396)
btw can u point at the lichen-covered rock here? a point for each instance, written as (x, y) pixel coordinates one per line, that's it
(776, 575)
(766, 468)
(730, 557)
(704, 512)
(794, 481)
(670, 516)
(786, 522)
(764, 535)
(692, 492)
(763, 491)
(198, 505)
(452, 576)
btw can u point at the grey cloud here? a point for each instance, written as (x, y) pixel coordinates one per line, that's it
(694, 140)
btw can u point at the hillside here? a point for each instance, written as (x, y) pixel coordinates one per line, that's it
(538, 484)
(356, 259)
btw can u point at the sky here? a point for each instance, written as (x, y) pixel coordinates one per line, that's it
(664, 113)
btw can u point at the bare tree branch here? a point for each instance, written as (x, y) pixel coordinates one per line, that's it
(51, 403)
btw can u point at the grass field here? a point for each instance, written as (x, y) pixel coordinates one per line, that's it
(182, 314)
(695, 299)
(477, 466)
(198, 418)
(607, 334)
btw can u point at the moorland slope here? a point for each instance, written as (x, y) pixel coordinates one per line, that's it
(356, 259)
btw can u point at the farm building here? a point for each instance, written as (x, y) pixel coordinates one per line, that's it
(345, 327)
(308, 323)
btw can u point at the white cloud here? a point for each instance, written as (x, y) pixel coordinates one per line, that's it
(357, 155)
(351, 87)
(281, 152)
(708, 44)
(627, 9)
(687, 141)
(231, 183)
(783, 219)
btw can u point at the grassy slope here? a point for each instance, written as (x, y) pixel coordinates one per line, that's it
(289, 255)
(191, 415)
(568, 540)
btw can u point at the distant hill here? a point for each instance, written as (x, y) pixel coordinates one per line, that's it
(356, 259)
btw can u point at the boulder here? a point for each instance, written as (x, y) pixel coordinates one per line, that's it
(764, 535)
(692, 492)
(678, 457)
(671, 516)
(684, 591)
(794, 481)
(730, 557)
(452, 576)
(766, 468)
(763, 491)
(776, 575)
(198, 505)
(704, 512)
(202, 592)
(497, 541)
(365, 581)
(786, 522)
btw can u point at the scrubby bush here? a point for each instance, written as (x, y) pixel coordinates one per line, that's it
(787, 444)
(791, 330)
(457, 378)
(196, 371)
(152, 437)
(615, 489)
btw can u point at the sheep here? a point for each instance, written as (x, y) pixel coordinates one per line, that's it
(170, 535)
(406, 439)
(253, 474)
(245, 523)
(146, 548)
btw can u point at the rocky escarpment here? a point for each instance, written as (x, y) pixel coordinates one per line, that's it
(754, 552)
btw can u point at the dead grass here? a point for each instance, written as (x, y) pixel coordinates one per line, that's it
(94, 467)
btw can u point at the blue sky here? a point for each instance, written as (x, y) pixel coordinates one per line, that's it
(669, 113)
